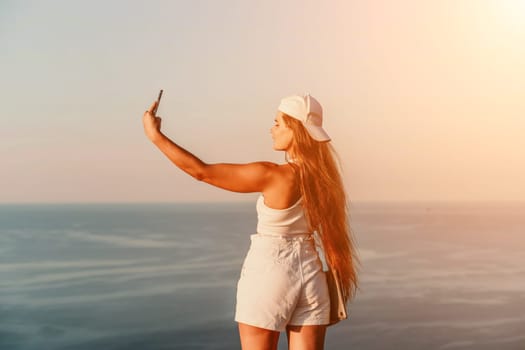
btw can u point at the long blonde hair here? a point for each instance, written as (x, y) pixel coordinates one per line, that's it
(324, 202)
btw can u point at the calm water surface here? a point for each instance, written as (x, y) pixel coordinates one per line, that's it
(163, 276)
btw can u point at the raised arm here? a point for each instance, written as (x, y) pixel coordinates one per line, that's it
(251, 177)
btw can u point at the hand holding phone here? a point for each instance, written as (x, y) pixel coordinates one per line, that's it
(151, 121)
(158, 102)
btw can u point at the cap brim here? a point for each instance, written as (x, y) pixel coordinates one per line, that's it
(317, 133)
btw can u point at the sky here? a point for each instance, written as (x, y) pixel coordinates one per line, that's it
(423, 100)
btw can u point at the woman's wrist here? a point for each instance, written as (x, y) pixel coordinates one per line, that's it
(157, 137)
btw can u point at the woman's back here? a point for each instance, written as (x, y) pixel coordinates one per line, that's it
(284, 190)
(284, 222)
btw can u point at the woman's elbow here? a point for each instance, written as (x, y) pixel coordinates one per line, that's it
(200, 173)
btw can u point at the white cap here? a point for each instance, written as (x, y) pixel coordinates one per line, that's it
(309, 111)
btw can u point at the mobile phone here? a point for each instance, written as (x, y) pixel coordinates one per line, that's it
(158, 101)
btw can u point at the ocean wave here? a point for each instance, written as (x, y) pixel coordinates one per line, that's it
(124, 241)
(369, 254)
(145, 291)
(65, 279)
(68, 264)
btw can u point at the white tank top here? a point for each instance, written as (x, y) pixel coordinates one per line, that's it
(288, 221)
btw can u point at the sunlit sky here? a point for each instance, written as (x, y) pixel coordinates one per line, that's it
(424, 100)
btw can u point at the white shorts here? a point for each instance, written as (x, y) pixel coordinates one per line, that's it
(281, 283)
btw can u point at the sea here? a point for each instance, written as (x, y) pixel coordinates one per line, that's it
(432, 275)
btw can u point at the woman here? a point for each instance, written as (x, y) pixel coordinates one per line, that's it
(282, 285)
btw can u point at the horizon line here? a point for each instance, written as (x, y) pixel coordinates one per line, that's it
(364, 201)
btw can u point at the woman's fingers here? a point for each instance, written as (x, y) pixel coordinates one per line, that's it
(152, 107)
(151, 122)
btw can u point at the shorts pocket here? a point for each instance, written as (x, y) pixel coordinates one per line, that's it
(261, 258)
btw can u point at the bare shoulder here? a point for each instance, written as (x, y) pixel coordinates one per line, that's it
(249, 177)
(284, 190)
(269, 165)
(281, 172)
(260, 176)
(269, 169)
(288, 170)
